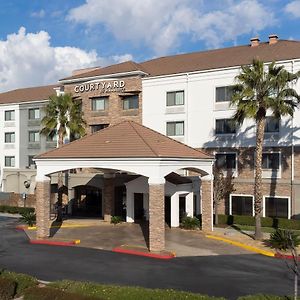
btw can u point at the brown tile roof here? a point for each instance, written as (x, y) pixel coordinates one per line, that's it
(125, 140)
(28, 94)
(205, 60)
(128, 66)
(222, 58)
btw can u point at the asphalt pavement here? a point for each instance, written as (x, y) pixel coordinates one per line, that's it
(219, 275)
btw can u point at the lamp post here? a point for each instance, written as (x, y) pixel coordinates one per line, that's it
(26, 185)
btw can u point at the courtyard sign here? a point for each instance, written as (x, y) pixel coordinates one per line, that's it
(102, 86)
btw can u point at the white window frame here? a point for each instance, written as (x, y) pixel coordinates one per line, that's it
(11, 157)
(234, 171)
(175, 91)
(240, 195)
(35, 132)
(215, 93)
(224, 134)
(103, 98)
(35, 109)
(268, 133)
(269, 173)
(178, 121)
(10, 133)
(10, 111)
(128, 98)
(282, 197)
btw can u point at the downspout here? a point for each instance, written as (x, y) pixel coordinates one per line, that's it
(292, 157)
(187, 109)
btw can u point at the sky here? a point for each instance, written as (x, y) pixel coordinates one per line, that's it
(42, 41)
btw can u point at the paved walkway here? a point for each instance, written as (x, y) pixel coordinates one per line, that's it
(101, 235)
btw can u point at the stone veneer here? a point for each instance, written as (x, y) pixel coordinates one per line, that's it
(207, 207)
(156, 217)
(108, 198)
(43, 209)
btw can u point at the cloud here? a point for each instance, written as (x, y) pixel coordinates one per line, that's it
(38, 14)
(293, 8)
(163, 25)
(28, 59)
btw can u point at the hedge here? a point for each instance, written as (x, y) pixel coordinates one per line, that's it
(265, 222)
(22, 281)
(264, 297)
(15, 209)
(7, 289)
(49, 293)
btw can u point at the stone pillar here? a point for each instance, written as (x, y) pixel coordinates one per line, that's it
(175, 210)
(129, 206)
(43, 208)
(207, 205)
(109, 196)
(189, 204)
(156, 215)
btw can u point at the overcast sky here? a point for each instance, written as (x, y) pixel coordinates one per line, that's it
(42, 41)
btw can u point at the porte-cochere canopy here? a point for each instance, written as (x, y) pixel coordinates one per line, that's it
(133, 148)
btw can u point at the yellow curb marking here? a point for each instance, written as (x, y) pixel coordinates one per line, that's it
(62, 226)
(76, 242)
(247, 247)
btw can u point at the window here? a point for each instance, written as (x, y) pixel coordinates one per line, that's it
(226, 161)
(175, 98)
(9, 137)
(98, 127)
(9, 161)
(175, 128)
(100, 103)
(225, 126)
(276, 207)
(30, 160)
(272, 125)
(52, 138)
(271, 161)
(34, 113)
(241, 205)
(130, 102)
(34, 136)
(224, 93)
(9, 115)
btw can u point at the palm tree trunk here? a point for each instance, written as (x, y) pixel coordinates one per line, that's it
(60, 184)
(260, 128)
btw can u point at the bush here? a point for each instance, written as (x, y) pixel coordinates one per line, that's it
(190, 223)
(15, 209)
(28, 217)
(113, 292)
(7, 288)
(283, 239)
(23, 281)
(264, 297)
(116, 220)
(49, 293)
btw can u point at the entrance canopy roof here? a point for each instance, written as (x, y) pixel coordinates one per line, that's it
(127, 146)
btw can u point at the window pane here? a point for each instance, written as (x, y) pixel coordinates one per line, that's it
(224, 126)
(230, 161)
(220, 94)
(226, 160)
(34, 136)
(9, 161)
(170, 129)
(272, 125)
(276, 207)
(270, 161)
(34, 113)
(170, 99)
(221, 161)
(98, 127)
(179, 98)
(175, 128)
(242, 205)
(9, 115)
(9, 137)
(131, 102)
(175, 98)
(99, 103)
(179, 128)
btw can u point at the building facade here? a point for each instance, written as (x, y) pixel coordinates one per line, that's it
(185, 97)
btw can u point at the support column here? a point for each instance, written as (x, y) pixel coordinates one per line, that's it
(146, 205)
(175, 210)
(109, 196)
(189, 204)
(129, 206)
(71, 196)
(43, 208)
(156, 214)
(207, 205)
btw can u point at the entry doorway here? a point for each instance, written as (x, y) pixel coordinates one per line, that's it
(182, 208)
(138, 206)
(168, 210)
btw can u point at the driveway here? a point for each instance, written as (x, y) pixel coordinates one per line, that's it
(216, 275)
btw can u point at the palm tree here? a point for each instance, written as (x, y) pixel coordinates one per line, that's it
(260, 89)
(63, 116)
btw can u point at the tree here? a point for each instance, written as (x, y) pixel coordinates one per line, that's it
(260, 89)
(223, 187)
(63, 116)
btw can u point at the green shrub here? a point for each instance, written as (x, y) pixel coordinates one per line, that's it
(28, 217)
(15, 209)
(113, 292)
(23, 281)
(283, 239)
(190, 223)
(49, 293)
(116, 220)
(7, 288)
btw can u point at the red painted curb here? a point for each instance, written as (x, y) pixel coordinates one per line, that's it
(20, 227)
(283, 256)
(52, 243)
(139, 253)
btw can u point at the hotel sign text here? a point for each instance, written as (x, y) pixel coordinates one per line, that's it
(102, 86)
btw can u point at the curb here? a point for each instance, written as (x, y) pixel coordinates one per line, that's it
(140, 253)
(54, 243)
(284, 256)
(241, 245)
